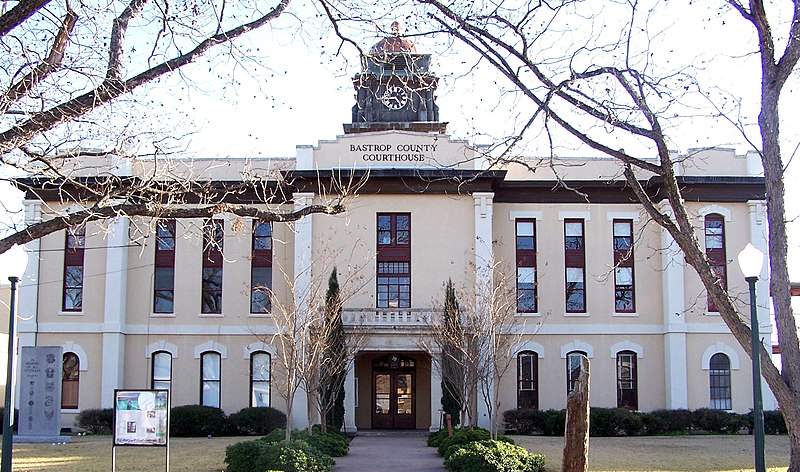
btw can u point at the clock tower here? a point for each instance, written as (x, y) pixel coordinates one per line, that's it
(395, 89)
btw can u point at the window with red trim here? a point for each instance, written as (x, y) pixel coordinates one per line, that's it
(627, 388)
(394, 260)
(575, 266)
(527, 380)
(624, 293)
(74, 248)
(164, 277)
(574, 361)
(715, 250)
(213, 240)
(526, 265)
(261, 268)
(70, 380)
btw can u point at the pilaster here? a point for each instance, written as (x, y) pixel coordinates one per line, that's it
(114, 308)
(302, 288)
(350, 397)
(484, 262)
(28, 294)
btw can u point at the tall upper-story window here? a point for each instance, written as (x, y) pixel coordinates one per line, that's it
(575, 266)
(394, 260)
(526, 265)
(527, 380)
(164, 277)
(627, 388)
(715, 250)
(260, 365)
(213, 240)
(719, 376)
(574, 360)
(624, 293)
(162, 370)
(261, 268)
(74, 248)
(210, 378)
(70, 381)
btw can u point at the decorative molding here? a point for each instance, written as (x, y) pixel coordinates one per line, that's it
(576, 215)
(626, 346)
(210, 346)
(162, 345)
(528, 346)
(713, 208)
(623, 215)
(83, 359)
(256, 347)
(530, 215)
(577, 345)
(723, 348)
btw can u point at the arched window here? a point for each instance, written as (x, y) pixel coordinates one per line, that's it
(527, 380)
(70, 381)
(715, 250)
(260, 364)
(162, 370)
(627, 385)
(210, 367)
(574, 359)
(719, 376)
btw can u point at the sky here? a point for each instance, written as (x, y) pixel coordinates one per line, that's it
(294, 89)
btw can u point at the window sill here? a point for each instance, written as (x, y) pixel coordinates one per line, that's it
(211, 315)
(626, 315)
(578, 315)
(162, 315)
(711, 313)
(70, 411)
(529, 314)
(260, 315)
(70, 313)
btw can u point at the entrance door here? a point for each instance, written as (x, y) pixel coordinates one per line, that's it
(393, 396)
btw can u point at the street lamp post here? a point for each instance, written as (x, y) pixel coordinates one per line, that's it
(751, 261)
(12, 266)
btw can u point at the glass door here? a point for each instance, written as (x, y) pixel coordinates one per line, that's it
(393, 393)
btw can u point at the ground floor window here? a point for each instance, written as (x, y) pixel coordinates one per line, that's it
(70, 381)
(527, 378)
(260, 379)
(162, 370)
(574, 360)
(720, 381)
(627, 389)
(210, 379)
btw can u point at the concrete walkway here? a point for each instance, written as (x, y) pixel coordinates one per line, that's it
(390, 451)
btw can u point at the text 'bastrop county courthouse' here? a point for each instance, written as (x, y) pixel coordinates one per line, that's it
(137, 303)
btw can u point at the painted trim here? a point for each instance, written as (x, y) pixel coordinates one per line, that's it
(258, 346)
(162, 345)
(713, 208)
(83, 359)
(577, 346)
(723, 348)
(210, 346)
(528, 346)
(623, 215)
(527, 215)
(626, 346)
(576, 215)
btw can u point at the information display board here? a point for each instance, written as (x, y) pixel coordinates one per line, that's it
(141, 417)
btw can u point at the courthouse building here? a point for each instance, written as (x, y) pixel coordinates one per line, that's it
(174, 304)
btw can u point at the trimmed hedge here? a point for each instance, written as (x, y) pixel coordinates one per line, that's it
(435, 439)
(287, 456)
(96, 421)
(331, 443)
(467, 435)
(197, 421)
(620, 421)
(257, 420)
(493, 456)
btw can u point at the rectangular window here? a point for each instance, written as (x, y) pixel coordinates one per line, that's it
(526, 265)
(260, 364)
(164, 276)
(74, 248)
(574, 361)
(627, 391)
(575, 266)
(162, 370)
(715, 251)
(527, 378)
(210, 368)
(394, 260)
(261, 268)
(70, 381)
(624, 300)
(213, 239)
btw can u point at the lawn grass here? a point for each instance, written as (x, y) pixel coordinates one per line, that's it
(651, 454)
(666, 453)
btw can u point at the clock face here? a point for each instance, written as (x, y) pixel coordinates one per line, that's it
(395, 97)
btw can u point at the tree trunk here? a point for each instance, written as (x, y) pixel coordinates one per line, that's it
(576, 434)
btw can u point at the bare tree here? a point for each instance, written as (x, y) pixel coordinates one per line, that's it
(599, 92)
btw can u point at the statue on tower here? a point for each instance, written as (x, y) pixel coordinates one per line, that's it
(396, 43)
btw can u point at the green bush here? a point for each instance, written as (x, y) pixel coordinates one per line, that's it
(667, 422)
(434, 439)
(614, 421)
(257, 420)
(493, 456)
(713, 421)
(464, 436)
(96, 421)
(331, 443)
(286, 456)
(276, 435)
(774, 422)
(198, 421)
(553, 422)
(525, 421)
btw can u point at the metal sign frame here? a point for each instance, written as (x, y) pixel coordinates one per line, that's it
(141, 419)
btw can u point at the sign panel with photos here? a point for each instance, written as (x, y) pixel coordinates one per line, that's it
(141, 417)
